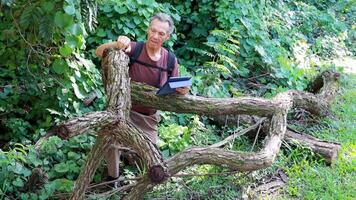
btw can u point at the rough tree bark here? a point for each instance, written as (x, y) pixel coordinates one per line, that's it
(328, 150)
(114, 126)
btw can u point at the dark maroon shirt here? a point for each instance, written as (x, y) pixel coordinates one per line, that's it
(149, 75)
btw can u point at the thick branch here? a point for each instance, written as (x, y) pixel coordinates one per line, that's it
(82, 124)
(328, 150)
(128, 135)
(100, 148)
(146, 95)
(117, 82)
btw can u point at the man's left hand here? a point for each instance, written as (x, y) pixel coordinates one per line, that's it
(182, 90)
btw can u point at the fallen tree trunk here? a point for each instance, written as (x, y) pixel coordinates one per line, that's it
(146, 95)
(115, 126)
(328, 150)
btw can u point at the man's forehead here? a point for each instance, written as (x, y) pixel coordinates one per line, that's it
(158, 24)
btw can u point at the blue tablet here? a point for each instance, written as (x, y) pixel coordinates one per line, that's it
(174, 82)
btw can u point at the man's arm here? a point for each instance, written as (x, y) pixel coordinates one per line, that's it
(122, 42)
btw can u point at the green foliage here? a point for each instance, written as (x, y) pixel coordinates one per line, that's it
(44, 76)
(197, 19)
(210, 79)
(12, 169)
(173, 139)
(61, 160)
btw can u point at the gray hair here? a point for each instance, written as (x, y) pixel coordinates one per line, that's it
(163, 17)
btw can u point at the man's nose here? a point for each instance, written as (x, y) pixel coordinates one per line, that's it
(155, 35)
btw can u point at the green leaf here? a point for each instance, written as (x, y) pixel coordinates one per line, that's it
(48, 6)
(18, 182)
(59, 66)
(76, 29)
(63, 20)
(101, 32)
(76, 107)
(149, 2)
(64, 185)
(33, 159)
(130, 25)
(166, 153)
(61, 168)
(73, 155)
(74, 41)
(77, 92)
(260, 50)
(65, 50)
(70, 9)
(126, 30)
(17, 168)
(120, 9)
(137, 20)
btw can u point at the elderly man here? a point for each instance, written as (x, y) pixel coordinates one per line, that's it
(151, 64)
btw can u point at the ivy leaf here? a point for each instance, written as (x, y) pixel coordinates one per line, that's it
(48, 6)
(63, 20)
(77, 92)
(61, 168)
(32, 158)
(64, 185)
(18, 182)
(65, 50)
(130, 25)
(76, 29)
(260, 50)
(120, 9)
(74, 41)
(17, 168)
(166, 153)
(73, 155)
(101, 32)
(59, 66)
(70, 10)
(137, 20)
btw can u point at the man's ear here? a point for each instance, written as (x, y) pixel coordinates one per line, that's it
(168, 36)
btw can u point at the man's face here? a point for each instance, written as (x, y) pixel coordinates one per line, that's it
(157, 33)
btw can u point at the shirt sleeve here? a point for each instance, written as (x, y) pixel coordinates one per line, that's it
(133, 45)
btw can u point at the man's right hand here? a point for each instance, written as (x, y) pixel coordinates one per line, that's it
(123, 42)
